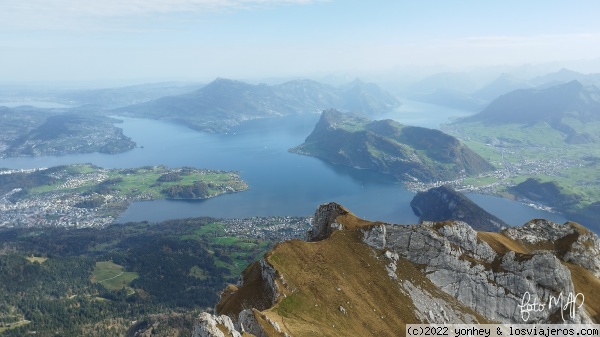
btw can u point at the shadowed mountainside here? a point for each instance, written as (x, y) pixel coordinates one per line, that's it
(444, 203)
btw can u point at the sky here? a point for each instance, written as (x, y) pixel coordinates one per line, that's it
(199, 40)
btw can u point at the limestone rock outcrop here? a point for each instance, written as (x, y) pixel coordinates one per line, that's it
(324, 221)
(493, 283)
(358, 277)
(208, 325)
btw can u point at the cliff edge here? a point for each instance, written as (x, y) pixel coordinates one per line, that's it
(354, 277)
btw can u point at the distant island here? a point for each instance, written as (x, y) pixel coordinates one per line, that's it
(408, 153)
(85, 195)
(225, 103)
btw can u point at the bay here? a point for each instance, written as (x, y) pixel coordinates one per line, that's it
(281, 183)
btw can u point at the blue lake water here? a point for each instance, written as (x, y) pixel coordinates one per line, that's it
(281, 183)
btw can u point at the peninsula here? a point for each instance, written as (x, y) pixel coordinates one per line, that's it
(409, 153)
(85, 195)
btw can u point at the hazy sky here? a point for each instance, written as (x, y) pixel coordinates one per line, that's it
(201, 39)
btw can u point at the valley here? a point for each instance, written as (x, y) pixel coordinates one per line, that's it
(104, 220)
(555, 143)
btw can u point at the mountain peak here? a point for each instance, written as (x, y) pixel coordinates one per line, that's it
(359, 278)
(221, 82)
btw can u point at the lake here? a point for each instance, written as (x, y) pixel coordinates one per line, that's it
(281, 183)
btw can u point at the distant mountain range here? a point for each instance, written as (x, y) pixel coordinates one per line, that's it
(112, 98)
(224, 103)
(500, 86)
(452, 99)
(406, 152)
(355, 277)
(457, 90)
(554, 106)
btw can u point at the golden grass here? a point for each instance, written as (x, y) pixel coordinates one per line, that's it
(502, 244)
(318, 278)
(315, 271)
(587, 284)
(253, 294)
(343, 271)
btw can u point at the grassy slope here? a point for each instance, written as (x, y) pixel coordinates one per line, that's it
(112, 276)
(320, 277)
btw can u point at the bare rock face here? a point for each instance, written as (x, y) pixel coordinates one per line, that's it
(208, 325)
(585, 252)
(269, 275)
(539, 230)
(448, 272)
(493, 284)
(574, 243)
(247, 323)
(324, 221)
(375, 236)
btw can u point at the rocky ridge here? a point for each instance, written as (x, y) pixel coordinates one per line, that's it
(356, 277)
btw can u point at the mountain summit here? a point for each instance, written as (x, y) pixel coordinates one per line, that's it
(354, 277)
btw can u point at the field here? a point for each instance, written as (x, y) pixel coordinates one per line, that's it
(14, 325)
(112, 276)
(37, 259)
(142, 182)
